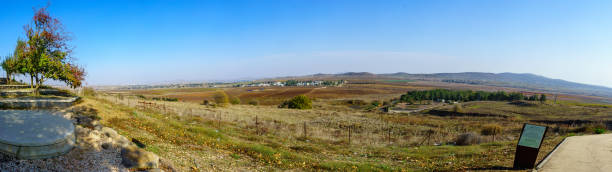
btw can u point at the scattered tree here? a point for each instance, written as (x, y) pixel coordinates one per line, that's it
(458, 95)
(9, 65)
(542, 98)
(221, 99)
(533, 98)
(491, 130)
(45, 54)
(458, 108)
(298, 102)
(235, 100)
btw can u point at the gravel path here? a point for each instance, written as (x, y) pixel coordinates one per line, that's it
(582, 153)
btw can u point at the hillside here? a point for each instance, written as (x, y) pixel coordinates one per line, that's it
(513, 80)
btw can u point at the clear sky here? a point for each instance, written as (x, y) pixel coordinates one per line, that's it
(147, 41)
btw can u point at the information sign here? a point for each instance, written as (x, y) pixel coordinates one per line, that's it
(528, 146)
(532, 136)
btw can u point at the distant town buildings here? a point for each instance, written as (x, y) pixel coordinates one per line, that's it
(295, 83)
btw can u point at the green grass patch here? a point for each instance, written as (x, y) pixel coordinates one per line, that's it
(349, 166)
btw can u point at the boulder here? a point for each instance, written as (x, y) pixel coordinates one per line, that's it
(106, 145)
(134, 157)
(109, 132)
(121, 142)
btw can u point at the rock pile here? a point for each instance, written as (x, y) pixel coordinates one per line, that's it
(98, 148)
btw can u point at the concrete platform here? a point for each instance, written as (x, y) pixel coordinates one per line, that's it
(34, 134)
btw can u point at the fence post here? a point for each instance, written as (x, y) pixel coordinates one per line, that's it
(349, 134)
(390, 128)
(305, 132)
(218, 120)
(257, 125)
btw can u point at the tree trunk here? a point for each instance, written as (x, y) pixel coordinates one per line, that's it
(38, 83)
(8, 78)
(31, 81)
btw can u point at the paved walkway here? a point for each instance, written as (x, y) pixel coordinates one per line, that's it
(582, 153)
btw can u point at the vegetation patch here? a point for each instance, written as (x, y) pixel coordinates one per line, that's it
(297, 102)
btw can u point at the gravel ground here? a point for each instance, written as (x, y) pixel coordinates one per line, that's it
(88, 155)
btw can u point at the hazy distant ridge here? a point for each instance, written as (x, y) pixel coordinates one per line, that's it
(514, 80)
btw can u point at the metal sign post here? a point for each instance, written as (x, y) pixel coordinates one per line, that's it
(529, 145)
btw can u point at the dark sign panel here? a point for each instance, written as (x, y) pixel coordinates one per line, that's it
(528, 146)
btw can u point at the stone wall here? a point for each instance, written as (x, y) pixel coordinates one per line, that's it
(16, 103)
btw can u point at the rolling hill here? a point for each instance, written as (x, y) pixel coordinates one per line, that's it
(513, 80)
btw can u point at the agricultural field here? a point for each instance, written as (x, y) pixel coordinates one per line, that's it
(275, 95)
(339, 133)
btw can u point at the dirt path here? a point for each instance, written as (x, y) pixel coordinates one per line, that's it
(582, 153)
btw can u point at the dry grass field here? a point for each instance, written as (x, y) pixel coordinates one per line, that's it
(275, 95)
(370, 90)
(333, 135)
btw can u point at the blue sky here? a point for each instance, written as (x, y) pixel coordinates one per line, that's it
(136, 42)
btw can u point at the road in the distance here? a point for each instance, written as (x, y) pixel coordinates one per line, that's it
(582, 153)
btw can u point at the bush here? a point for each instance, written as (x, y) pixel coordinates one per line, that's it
(221, 99)
(591, 128)
(585, 129)
(205, 102)
(356, 102)
(600, 131)
(235, 100)
(88, 91)
(457, 108)
(165, 99)
(254, 102)
(467, 139)
(375, 103)
(297, 102)
(491, 130)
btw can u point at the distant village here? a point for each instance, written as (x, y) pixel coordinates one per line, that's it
(294, 83)
(287, 83)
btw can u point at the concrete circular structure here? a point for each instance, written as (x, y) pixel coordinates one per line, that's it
(34, 134)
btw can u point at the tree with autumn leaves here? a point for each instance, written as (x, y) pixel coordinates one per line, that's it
(44, 54)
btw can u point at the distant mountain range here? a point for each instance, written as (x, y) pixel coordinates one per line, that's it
(513, 80)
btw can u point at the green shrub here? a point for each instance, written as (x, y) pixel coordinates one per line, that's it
(457, 108)
(600, 131)
(585, 129)
(165, 99)
(591, 128)
(491, 130)
(221, 99)
(235, 100)
(468, 139)
(254, 102)
(297, 102)
(375, 103)
(356, 102)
